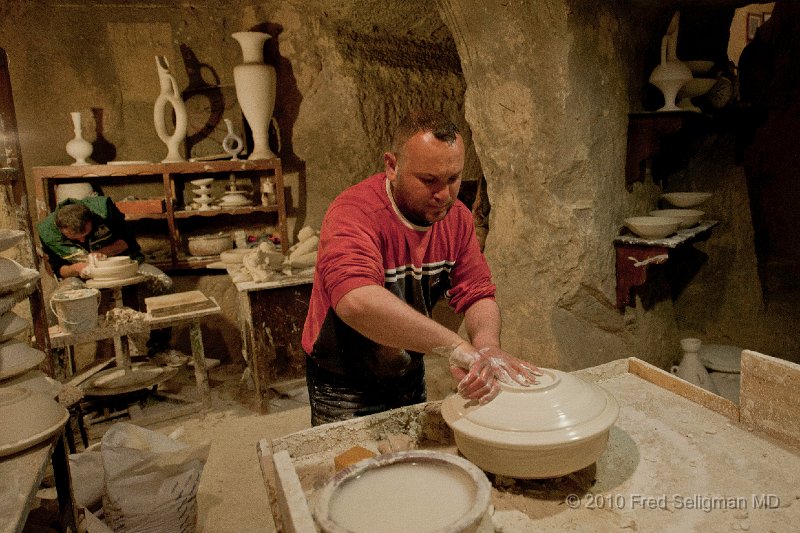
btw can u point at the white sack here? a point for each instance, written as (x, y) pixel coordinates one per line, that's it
(150, 480)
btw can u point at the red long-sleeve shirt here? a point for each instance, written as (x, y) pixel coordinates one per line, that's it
(364, 240)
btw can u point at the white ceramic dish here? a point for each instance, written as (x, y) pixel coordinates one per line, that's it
(11, 325)
(689, 217)
(550, 429)
(202, 182)
(10, 237)
(652, 227)
(17, 357)
(422, 491)
(119, 271)
(28, 418)
(686, 199)
(721, 357)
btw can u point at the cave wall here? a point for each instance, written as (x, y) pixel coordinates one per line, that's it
(540, 89)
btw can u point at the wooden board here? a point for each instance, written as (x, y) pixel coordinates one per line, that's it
(181, 302)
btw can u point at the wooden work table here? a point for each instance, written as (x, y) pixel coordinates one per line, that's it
(62, 339)
(271, 318)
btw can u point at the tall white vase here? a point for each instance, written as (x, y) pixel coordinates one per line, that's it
(169, 95)
(78, 147)
(255, 90)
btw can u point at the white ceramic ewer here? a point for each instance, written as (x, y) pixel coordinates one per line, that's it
(78, 147)
(169, 95)
(255, 90)
(671, 74)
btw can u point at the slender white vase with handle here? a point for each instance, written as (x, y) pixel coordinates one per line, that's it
(169, 95)
(78, 147)
(255, 90)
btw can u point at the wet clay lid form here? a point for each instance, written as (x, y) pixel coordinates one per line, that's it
(559, 409)
(27, 418)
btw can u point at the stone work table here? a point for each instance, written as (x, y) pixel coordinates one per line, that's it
(678, 458)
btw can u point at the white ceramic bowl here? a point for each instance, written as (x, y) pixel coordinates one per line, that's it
(653, 227)
(551, 429)
(119, 271)
(205, 245)
(686, 199)
(419, 490)
(10, 237)
(689, 217)
(28, 418)
(17, 357)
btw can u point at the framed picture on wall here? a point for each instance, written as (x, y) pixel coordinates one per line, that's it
(754, 20)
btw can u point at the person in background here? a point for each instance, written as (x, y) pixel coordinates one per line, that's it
(390, 247)
(79, 228)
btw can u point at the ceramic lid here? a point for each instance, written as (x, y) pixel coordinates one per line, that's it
(28, 419)
(17, 357)
(10, 237)
(559, 408)
(10, 325)
(13, 275)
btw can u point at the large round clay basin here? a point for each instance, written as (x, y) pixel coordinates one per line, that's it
(422, 491)
(28, 418)
(551, 429)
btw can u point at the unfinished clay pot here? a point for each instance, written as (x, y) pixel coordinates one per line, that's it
(205, 245)
(553, 428)
(420, 490)
(121, 270)
(28, 419)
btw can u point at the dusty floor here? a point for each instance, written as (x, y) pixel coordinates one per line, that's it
(232, 495)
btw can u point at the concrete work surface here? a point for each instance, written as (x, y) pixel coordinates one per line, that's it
(672, 464)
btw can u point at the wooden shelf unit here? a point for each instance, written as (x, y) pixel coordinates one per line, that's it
(175, 179)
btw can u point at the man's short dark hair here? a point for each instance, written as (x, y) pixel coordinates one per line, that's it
(424, 120)
(73, 217)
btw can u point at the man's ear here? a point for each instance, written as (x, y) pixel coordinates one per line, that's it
(390, 165)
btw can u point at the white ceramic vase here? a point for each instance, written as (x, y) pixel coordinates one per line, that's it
(669, 77)
(255, 90)
(78, 148)
(169, 95)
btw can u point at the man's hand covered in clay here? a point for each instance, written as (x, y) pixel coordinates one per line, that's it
(478, 371)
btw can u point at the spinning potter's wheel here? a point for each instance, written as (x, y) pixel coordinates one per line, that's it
(115, 381)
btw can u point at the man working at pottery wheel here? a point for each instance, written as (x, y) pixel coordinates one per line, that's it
(94, 226)
(390, 247)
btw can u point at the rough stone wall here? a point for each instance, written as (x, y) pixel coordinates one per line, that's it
(542, 90)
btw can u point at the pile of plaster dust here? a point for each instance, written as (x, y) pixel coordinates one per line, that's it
(119, 316)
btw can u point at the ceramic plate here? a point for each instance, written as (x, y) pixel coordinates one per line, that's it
(17, 357)
(10, 237)
(721, 357)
